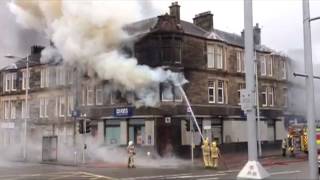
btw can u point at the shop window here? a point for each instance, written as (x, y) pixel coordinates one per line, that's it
(113, 132)
(137, 131)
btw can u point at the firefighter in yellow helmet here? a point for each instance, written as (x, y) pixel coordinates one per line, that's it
(290, 142)
(206, 152)
(215, 152)
(131, 153)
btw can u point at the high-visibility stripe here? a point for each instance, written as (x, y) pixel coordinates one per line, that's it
(318, 141)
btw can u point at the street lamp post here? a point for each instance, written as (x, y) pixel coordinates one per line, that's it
(312, 154)
(26, 104)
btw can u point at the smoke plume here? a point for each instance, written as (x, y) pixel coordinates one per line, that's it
(90, 34)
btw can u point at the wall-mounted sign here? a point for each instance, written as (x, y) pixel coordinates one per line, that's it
(122, 112)
(167, 120)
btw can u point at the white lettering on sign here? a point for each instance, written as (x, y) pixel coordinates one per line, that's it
(121, 111)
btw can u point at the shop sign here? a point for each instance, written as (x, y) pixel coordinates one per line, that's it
(122, 112)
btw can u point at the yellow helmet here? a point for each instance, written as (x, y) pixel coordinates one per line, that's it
(214, 143)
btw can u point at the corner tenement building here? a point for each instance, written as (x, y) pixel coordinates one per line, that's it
(210, 59)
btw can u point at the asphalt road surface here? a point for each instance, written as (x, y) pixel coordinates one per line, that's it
(19, 171)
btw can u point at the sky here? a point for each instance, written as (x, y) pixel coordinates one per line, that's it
(280, 22)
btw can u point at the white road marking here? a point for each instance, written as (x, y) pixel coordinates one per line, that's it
(197, 176)
(155, 177)
(209, 178)
(284, 172)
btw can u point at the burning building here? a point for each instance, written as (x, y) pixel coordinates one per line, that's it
(148, 109)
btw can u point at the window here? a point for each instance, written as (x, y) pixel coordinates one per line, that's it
(218, 57)
(283, 70)
(6, 109)
(25, 79)
(99, 97)
(90, 95)
(13, 109)
(44, 107)
(171, 50)
(211, 92)
(270, 96)
(166, 92)
(240, 86)
(263, 66)
(70, 105)
(56, 112)
(210, 56)
(83, 95)
(112, 96)
(44, 77)
(240, 62)
(61, 106)
(137, 131)
(220, 92)
(60, 76)
(7, 82)
(177, 94)
(264, 96)
(70, 76)
(14, 82)
(112, 132)
(269, 66)
(285, 97)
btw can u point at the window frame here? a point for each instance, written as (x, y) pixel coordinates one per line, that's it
(222, 91)
(90, 101)
(70, 105)
(283, 70)
(99, 101)
(270, 66)
(7, 82)
(213, 89)
(210, 51)
(13, 81)
(62, 108)
(13, 110)
(271, 92)
(218, 50)
(25, 82)
(164, 87)
(264, 92)
(263, 66)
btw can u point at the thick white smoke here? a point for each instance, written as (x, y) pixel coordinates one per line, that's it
(90, 33)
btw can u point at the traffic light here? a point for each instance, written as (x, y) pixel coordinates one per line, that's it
(80, 126)
(88, 126)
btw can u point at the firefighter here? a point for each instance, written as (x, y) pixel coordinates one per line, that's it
(290, 145)
(284, 147)
(131, 153)
(215, 152)
(206, 152)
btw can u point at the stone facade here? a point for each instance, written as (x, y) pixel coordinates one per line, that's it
(212, 62)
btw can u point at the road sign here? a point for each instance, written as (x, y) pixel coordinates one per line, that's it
(75, 113)
(246, 100)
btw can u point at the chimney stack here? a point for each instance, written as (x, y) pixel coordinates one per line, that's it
(204, 20)
(175, 11)
(257, 35)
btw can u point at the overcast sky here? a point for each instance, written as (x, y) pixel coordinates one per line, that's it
(280, 20)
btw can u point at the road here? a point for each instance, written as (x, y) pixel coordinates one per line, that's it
(19, 171)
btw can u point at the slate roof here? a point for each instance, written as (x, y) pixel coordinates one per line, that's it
(143, 27)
